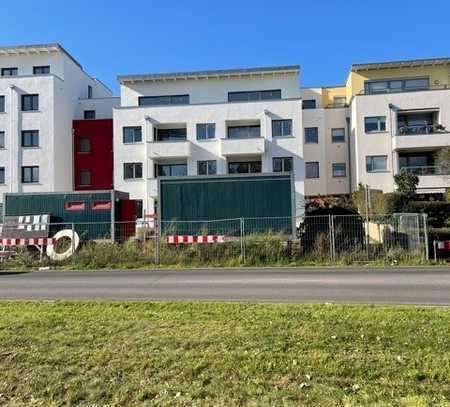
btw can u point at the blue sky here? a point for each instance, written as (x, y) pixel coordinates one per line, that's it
(325, 37)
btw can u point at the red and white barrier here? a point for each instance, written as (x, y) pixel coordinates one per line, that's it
(41, 241)
(443, 245)
(189, 239)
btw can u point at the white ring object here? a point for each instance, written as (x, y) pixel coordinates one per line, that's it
(74, 243)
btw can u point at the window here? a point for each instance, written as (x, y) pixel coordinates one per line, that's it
(85, 177)
(170, 134)
(89, 115)
(30, 174)
(163, 100)
(339, 100)
(312, 169)
(374, 124)
(309, 104)
(247, 96)
(207, 167)
(171, 170)
(84, 145)
(2, 104)
(339, 170)
(376, 163)
(132, 170)
(244, 131)
(2, 175)
(338, 135)
(30, 103)
(139, 208)
(74, 206)
(89, 92)
(396, 85)
(132, 134)
(9, 71)
(281, 128)
(30, 138)
(206, 131)
(2, 139)
(101, 205)
(250, 167)
(282, 164)
(311, 135)
(41, 70)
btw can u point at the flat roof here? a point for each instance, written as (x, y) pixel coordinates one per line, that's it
(400, 64)
(30, 49)
(209, 74)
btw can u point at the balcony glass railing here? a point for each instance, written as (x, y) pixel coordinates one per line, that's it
(425, 170)
(384, 90)
(421, 129)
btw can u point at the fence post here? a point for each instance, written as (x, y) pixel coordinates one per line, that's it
(241, 227)
(425, 232)
(331, 229)
(72, 242)
(157, 242)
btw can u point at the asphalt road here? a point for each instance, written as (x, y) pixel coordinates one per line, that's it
(396, 286)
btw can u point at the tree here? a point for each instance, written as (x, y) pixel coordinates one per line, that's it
(406, 183)
(443, 160)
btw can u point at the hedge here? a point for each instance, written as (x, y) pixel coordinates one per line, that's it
(438, 211)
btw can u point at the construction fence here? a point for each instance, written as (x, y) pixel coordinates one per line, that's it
(276, 240)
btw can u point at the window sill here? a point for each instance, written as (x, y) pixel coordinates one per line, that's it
(203, 140)
(282, 137)
(338, 142)
(31, 111)
(133, 143)
(31, 183)
(376, 132)
(379, 172)
(133, 179)
(31, 147)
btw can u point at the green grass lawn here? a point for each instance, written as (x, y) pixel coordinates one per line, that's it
(215, 354)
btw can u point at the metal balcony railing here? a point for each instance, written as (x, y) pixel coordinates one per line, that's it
(421, 129)
(403, 90)
(425, 170)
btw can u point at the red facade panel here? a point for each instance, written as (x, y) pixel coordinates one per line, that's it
(93, 154)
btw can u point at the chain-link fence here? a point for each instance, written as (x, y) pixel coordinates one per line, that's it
(253, 241)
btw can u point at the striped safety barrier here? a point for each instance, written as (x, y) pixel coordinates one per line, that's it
(41, 241)
(443, 245)
(188, 239)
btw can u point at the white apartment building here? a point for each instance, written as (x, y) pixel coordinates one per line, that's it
(210, 122)
(388, 117)
(42, 88)
(400, 118)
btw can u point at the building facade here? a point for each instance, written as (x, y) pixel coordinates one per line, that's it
(40, 91)
(62, 130)
(199, 123)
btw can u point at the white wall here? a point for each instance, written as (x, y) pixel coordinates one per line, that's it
(384, 143)
(220, 114)
(59, 93)
(103, 107)
(211, 90)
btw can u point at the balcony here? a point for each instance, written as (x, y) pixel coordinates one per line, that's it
(242, 146)
(430, 177)
(169, 149)
(420, 130)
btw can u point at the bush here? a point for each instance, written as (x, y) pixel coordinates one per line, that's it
(438, 212)
(406, 183)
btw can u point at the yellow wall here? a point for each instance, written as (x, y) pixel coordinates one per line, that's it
(328, 94)
(439, 75)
